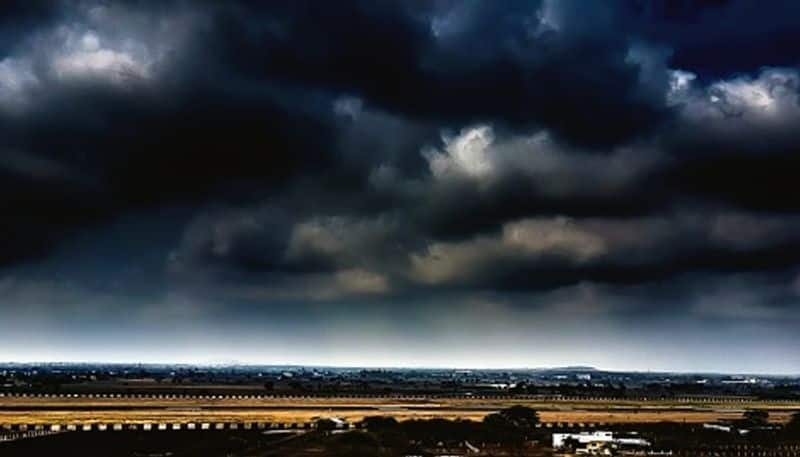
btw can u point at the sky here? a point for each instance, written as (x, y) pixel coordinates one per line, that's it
(402, 183)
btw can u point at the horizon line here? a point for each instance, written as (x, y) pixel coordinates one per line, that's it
(399, 367)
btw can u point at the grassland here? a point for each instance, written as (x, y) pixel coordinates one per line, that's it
(82, 410)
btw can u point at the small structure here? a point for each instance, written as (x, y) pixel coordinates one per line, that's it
(718, 427)
(560, 440)
(596, 448)
(335, 422)
(597, 442)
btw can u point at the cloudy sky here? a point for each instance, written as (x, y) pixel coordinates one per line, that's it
(402, 183)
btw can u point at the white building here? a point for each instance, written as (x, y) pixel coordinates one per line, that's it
(559, 439)
(586, 438)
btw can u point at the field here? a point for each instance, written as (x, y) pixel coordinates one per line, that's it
(136, 410)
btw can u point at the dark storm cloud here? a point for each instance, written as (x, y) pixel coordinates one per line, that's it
(387, 149)
(736, 140)
(455, 62)
(547, 253)
(103, 114)
(718, 38)
(17, 18)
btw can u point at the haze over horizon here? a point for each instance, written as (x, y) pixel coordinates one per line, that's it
(459, 184)
(255, 364)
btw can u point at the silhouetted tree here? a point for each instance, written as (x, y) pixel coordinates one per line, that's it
(792, 429)
(520, 417)
(325, 425)
(512, 425)
(379, 423)
(756, 417)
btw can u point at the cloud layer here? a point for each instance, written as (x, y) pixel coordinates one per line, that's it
(403, 161)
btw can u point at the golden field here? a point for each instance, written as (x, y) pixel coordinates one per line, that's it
(80, 410)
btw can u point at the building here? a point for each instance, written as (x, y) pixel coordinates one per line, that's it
(597, 442)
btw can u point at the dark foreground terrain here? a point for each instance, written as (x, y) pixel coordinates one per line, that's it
(509, 432)
(230, 444)
(147, 444)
